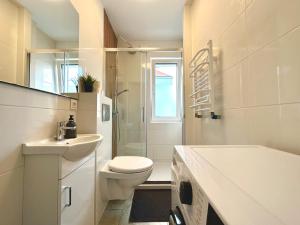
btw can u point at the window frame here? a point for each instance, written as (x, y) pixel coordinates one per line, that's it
(63, 74)
(178, 62)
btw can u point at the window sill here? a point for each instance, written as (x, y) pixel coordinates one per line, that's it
(166, 121)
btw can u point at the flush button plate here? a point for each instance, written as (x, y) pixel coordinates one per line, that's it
(105, 112)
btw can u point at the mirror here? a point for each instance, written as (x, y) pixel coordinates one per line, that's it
(39, 41)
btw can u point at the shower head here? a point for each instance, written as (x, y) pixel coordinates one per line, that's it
(121, 92)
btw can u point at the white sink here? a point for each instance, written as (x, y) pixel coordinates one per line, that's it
(70, 149)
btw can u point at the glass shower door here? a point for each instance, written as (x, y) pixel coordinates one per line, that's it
(130, 104)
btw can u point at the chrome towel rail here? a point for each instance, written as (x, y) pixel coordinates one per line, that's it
(202, 73)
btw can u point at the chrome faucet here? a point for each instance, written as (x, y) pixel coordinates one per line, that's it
(60, 130)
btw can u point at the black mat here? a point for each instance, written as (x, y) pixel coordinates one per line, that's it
(157, 182)
(151, 206)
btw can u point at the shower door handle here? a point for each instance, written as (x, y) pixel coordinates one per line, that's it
(143, 114)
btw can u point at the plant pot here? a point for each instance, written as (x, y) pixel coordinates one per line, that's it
(81, 87)
(88, 88)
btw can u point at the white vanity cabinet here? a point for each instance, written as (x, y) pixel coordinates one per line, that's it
(59, 192)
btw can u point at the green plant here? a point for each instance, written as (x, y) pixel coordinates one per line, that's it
(87, 82)
(76, 83)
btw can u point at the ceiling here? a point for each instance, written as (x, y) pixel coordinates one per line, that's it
(146, 20)
(57, 18)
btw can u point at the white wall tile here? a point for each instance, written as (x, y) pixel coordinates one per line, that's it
(11, 191)
(290, 128)
(232, 88)
(165, 136)
(233, 43)
(212, 131)
(8, 23)
(84, 126)
(260, 69)
(17, 96)
(263, 125)
(289, 67)
(259, 78)
(25, 115)
(8, 57)
(87, 101)
(235, 126)
(23, 124)
(213, 26)
(161, 152)
(268, 19)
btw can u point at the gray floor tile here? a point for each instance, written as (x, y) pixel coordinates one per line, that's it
(111, 217)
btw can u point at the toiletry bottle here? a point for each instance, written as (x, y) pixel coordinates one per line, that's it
(71, 133)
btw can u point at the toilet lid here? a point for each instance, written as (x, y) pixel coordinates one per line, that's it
(130, 164)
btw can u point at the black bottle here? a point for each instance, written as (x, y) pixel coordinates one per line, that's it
(71, 133)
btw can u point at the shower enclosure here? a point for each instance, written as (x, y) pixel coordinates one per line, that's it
(126, 84)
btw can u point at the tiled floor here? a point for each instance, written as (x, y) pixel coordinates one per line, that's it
(161, 171)
(117, 213)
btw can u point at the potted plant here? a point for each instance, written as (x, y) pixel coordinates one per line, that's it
(87, 82)
(76, 84)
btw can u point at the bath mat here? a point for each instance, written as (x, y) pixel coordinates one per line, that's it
(150, 205)
(157, 182)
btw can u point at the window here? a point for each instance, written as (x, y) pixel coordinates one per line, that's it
(42, 72)
(166, 90)
(70, 74)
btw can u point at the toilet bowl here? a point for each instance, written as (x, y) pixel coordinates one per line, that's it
(120, 176)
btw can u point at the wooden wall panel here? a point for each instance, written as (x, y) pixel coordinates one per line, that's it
(110, 38)
(111, 41)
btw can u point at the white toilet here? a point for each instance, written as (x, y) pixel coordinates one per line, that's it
(120, 176)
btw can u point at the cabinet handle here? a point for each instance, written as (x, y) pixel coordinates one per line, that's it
(70, 196)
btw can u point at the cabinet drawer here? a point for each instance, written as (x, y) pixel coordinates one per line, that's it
(77, 195)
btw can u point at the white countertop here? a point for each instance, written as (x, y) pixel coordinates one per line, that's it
(247, 185)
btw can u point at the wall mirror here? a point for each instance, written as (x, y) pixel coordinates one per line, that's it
(39, 42)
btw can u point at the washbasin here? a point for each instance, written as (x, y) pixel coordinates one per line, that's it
(71, 149)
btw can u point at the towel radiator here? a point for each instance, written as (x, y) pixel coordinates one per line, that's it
(202, 73)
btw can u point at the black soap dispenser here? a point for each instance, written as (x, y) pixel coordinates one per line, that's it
(71, 131)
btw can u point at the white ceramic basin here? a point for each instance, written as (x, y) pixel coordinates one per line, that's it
(70, 149)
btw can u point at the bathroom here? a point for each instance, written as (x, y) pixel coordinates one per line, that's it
(183, 112)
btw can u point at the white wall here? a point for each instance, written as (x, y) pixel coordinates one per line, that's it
(25, 115)
(66, 44)
(13, 41)
(91, 22)
(39, 39)
(260, 43)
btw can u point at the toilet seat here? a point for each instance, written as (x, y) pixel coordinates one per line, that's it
(130, 164)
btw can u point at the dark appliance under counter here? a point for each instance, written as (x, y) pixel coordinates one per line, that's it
(190, 206)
